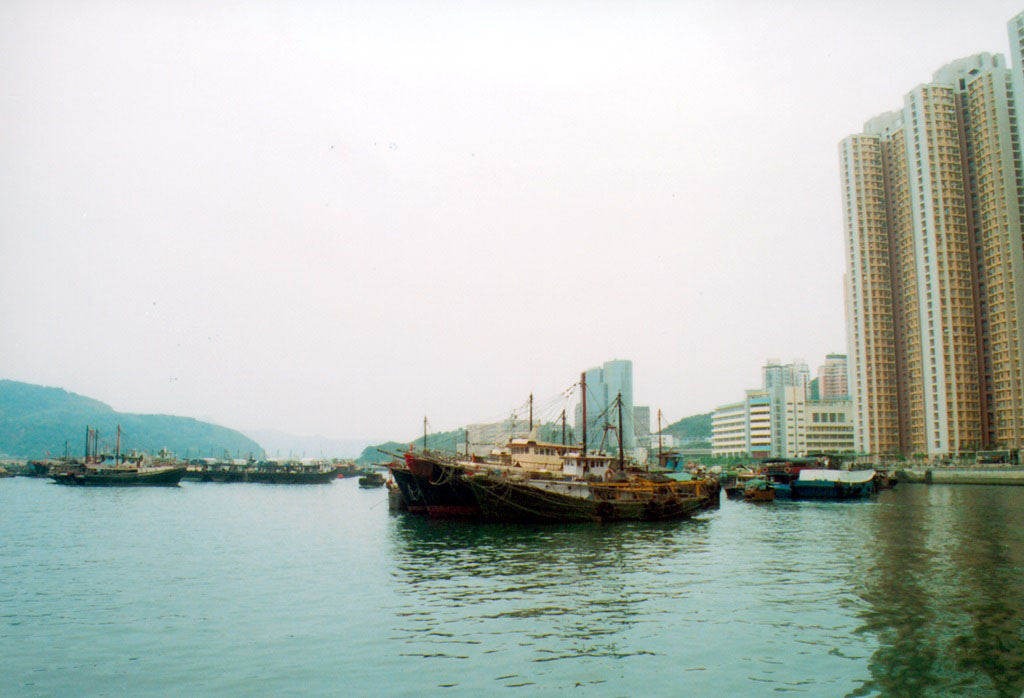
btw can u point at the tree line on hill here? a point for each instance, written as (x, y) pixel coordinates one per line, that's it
(37, 422)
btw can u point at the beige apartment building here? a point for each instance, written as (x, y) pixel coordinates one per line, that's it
(933, 201)
(832, 378)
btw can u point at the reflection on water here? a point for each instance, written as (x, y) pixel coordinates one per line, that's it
(242, 589)
(538, 594)
(946, 593)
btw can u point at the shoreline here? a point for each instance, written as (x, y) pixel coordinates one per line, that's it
(956, 476)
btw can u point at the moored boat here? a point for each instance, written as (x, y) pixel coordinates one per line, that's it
(100, 470)
(408, 487)
(502, 498)
(834, 484)
(371, 480)
(435, 485)
(121, 476)
(532, 480)
(291, 473)
(758, 490)
(267, 472)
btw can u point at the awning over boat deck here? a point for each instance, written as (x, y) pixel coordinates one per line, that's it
(853, 477)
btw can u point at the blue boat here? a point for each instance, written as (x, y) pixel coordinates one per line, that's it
(833, 484)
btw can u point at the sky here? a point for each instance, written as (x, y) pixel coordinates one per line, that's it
(339, 217)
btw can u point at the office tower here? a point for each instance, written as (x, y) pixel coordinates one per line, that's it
(932, 206)
(832, 381)
(642, 425)
(604, 384)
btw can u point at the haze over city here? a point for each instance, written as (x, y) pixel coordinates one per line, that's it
(338, 218)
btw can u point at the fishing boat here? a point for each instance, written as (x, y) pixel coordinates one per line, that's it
(834, 484)
(737, 483)
(371, 480)
(537, 500)
(291, 473)
(408, 487)
(120, 475)
(100, 470)
(433, 484)
(533, 480)
(757, 490)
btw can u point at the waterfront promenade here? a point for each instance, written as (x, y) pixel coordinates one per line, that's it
(982, 475)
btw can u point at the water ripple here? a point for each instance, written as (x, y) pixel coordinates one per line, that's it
(241, 589)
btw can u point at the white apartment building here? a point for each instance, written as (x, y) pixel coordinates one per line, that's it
(782, 421)
(743, 429)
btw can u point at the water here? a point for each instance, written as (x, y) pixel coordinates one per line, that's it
(239, 589)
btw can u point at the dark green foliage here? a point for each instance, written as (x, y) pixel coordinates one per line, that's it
(37, 421)
(448, 441)
(697, 427)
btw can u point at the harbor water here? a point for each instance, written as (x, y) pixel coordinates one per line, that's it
(248, 589)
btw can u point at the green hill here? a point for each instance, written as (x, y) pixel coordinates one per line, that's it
(695, 428)
(36, 421)
(447, 441)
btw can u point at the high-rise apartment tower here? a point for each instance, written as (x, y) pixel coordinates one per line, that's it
(933, 203)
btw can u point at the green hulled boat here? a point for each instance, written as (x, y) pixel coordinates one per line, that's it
(99, 470)
(121, 476)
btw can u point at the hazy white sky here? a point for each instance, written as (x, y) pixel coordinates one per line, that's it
(337, 217)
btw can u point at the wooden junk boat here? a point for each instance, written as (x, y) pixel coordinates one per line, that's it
(535, 481)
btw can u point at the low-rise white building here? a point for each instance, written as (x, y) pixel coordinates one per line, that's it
(781, 420)
(743, 429)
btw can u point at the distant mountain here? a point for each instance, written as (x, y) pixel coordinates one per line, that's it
(695, 428)
(279, 443)
(36, 421)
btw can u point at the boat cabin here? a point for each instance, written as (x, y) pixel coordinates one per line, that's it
(531, 454)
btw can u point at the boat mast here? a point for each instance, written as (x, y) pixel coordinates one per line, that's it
(583, 397)
(563, 427)
(659, 438)
(622, 456)
(531, 412)
(117, 452)
(88, 435)
(424, 433)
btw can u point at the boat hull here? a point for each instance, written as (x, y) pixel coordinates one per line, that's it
(504, 500)
(412, 495)
(832, 490)
(759, 495)
(371, 480)
(165, 477)
(292, 478)
(436, 489)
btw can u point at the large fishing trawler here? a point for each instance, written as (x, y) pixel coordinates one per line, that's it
(533, 480)
(117, 470)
